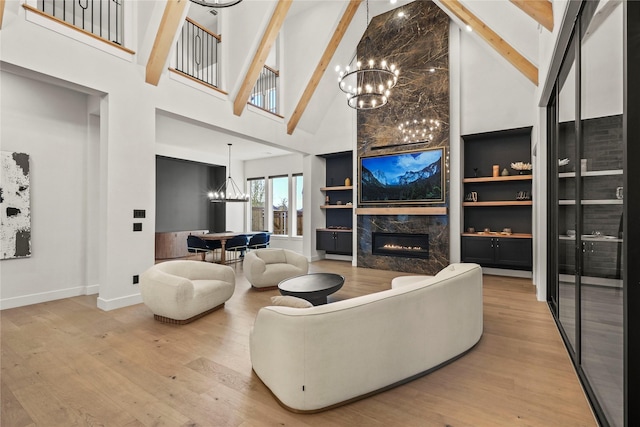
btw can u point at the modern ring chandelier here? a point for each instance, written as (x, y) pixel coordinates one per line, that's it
(368, 86)
(412, 131)
(229, 190)
(216, 3)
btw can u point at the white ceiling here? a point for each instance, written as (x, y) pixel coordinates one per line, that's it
(193, 135)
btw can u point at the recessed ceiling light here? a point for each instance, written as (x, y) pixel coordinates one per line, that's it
(393, 1)
(468, 27)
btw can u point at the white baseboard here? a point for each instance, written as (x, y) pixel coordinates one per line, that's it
(115, 303)
(41, 297)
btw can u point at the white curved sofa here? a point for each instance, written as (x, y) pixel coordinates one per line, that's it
(182, 291)
(324, 356)
(265, 268)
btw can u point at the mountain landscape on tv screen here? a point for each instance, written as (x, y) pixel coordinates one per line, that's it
(421, 185)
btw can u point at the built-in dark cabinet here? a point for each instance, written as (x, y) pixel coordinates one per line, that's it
(337, 205)
(338, 242)
(497, 251)
(497, 207)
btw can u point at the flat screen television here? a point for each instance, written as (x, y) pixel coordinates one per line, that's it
(406, 177)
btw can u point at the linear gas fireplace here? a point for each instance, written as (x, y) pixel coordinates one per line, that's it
(401, 245)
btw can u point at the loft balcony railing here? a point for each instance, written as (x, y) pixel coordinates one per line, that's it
(103, 18)
(197, 53)
(265, 93)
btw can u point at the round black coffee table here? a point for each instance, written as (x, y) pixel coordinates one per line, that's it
(314, 287)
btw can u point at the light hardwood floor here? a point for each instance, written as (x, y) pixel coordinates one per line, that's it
(68, 363)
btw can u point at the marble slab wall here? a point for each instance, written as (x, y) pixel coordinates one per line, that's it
(418, 43)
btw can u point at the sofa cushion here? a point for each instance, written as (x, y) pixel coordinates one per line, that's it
(408, 280)
(289, 301)
(273, 256)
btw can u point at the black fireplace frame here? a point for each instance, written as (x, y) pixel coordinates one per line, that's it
(377, 249)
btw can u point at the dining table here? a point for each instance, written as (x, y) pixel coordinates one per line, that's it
(223, 237)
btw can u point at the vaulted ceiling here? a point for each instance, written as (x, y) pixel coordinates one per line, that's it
(315, 35)
(508, 28)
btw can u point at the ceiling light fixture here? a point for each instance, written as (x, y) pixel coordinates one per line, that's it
(418, 130)
(216, 3)
(229, 190)
(367, 85)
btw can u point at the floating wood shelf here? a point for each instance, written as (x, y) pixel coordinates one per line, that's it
(499, 178)
(337, 230)
(339, 188)
(439, 210)
(336, 206)
(500, 203)
(499, 234)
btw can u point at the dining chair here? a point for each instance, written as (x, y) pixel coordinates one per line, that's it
(238, 246)
(196, 245)
(213, 246)
(257, 241)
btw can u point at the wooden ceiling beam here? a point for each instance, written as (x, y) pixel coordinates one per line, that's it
(321, 68)
(172, 20)
(501, 46)
(540, 10)
(1, 12)
(260, 57)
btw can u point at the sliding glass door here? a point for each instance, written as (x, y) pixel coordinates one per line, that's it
(587, 200)
(601, 206)
(566, 274)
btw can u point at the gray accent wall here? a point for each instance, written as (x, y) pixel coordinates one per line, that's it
(181, 196)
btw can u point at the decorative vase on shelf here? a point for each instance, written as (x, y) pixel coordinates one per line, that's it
(496, 170)
(505, 172)
(347, 182)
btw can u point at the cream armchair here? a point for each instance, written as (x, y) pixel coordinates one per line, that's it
(265, 268)
(183, 291)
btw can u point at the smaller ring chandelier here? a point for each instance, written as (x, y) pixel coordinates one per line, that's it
(370, 86)
(415, 130)
(216, 3)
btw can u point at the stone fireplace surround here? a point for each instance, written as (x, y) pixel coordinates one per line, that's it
(436, 227)
(420, 49)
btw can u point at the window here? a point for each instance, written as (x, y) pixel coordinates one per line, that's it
(258, 197)
(297, 185)
(280, 204)
(283, 195)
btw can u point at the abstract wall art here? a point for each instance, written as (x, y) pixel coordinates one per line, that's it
(15, 215)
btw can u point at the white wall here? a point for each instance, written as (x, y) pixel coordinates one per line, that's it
(51, 125)
(494, 94)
